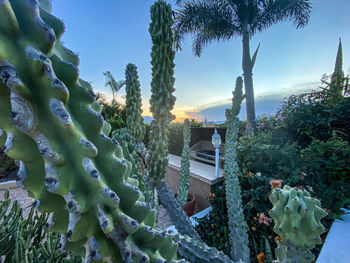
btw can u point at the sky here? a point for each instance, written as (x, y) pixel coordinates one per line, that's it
(109, 34)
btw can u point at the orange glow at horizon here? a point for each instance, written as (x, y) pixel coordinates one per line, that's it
(181, 113)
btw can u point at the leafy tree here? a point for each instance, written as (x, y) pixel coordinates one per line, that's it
(209, 20)
(112, 83)
(114, 113)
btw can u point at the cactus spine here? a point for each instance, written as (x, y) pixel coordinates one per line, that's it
(185, 165)
(134, 120)
(297, 221)
(237, 224)
(54, 128)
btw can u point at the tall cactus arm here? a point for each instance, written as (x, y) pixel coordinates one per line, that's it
(197, 251)
(175, 211)
(66, 163)
(185, 165)
(134, 120)
(237, 224)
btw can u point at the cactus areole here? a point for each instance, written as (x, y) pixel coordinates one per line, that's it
(53, 127)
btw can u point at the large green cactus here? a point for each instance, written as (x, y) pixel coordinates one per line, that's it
(162, 102)
(185, 165)
(297, 221)
(134, 120)
(237, 224)
(162, 86)
(53, 127)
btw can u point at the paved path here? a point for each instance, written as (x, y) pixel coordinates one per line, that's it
(22, 198)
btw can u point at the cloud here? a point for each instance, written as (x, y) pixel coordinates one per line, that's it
(265, 103)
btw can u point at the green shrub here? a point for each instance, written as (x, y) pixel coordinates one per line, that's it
(113, 113)
(306, 145)
(255, 191)
(304, 117)
(326, 168)
(176, 140)
(264, 153)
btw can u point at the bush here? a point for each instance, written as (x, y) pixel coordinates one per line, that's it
(114, 113)
(176, 140)
(326, 168)
(264, 154)
(304, 117)
(214, 228)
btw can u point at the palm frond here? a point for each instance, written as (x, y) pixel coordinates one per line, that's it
(119, 85)
(274, 11)
(110, 80)
(206, 21)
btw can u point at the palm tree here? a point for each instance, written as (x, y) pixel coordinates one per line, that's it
(209, 20)
(113, 84)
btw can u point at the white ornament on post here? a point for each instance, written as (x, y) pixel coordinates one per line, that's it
(216, 141)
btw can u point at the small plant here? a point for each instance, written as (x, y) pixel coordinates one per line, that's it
(27, 239)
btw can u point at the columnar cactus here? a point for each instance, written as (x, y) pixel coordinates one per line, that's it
(162, 102)
(297, 221)
(134, 120)
(237, 224)
(54, 129)
(185, 165)
(130, 152)
(162, 86)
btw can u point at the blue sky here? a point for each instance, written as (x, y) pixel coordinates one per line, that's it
(109, 34)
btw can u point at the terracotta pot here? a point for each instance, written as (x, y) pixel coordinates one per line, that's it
(189, 207)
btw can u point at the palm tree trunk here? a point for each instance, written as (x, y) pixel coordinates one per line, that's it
(248, 84)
